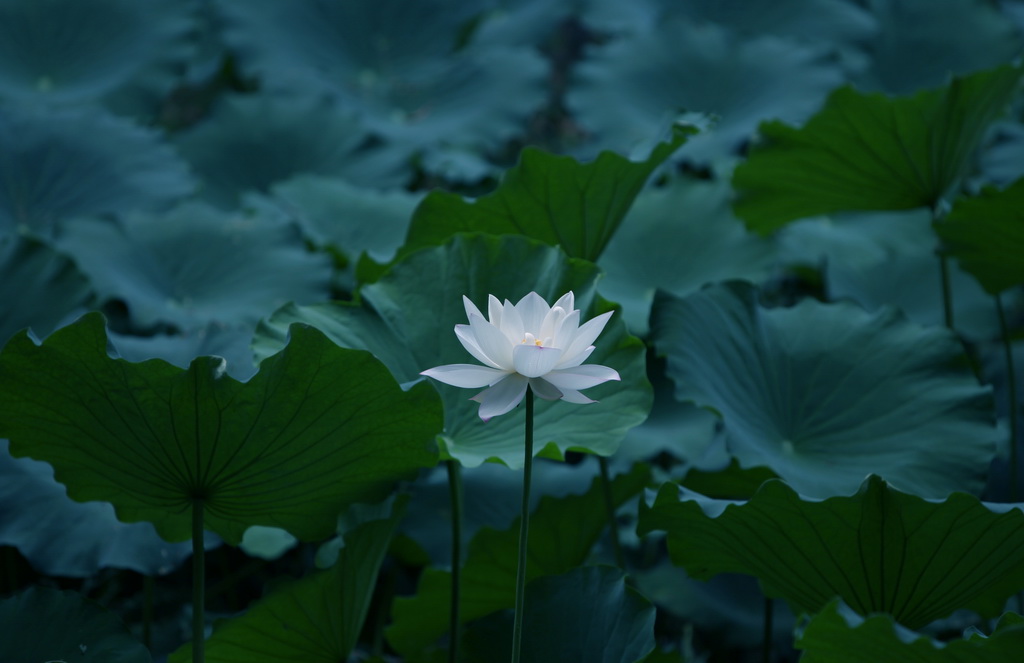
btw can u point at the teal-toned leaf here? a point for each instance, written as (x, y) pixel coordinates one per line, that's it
(1002, 161)
(839, 635)
(39, 287)
(708, 244)
(825, 394)
(61, 537)
(562, 532)
(48, 625)
(232, 343)
(316, 619)
(626, 91)
(673, 431)
(392, 63)
(252, 142)
(834, 21)
(916, 46)
(880, 550)
(333, 212)
(317, 428)
(985, 234)
(195, 265)
(856, 240)
(64, 51)
(555, 199)
(59, 164)
(911, 280)
(729, 606)
(870, 151)
(407, 318)
(587, 614)
(492, 497)
(266, 542)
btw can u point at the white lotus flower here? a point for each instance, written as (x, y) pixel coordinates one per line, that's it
(528, 344)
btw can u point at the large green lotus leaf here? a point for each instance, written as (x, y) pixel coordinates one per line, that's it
(393, 63)
(196, 264)
(38, 286)
(407, 320)
(555, 199)
(252, 142)
(870, 152)
(316, 619)
(354, 219)
(66, 51)
(839, 635)
(985, 234)
(625, 92)
(588, 614)
(880, 550)
(562, 533)
(708, 244)
(58, 164)
(61, 537)
(43, 625)
(825, 394)
(317, 428)
(918, 44)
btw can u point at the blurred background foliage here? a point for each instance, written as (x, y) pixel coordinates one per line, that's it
(188, 167)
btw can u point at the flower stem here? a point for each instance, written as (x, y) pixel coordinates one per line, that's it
(1011, 378)
(947, 292)
(147, 610)
(766, 643)
(198, 584)
(455, 496)
(609, 506)
(524, 531)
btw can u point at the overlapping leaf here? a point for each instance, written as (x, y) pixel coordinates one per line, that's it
(911, 280)
(39, 287)
(316, 619)
(587, 614)
(59, 164)
(870, 151)
(42, 624)
(562, 532)
(628, 90)
(407, 319)
(918, 45)
(61, 51)
(880, 550)
(708, 244)
(317, 428)
(394, 64)
(231, 342)
(834, 21)
(986, 235)
(334, 212)
(61, 537)
(252, 142)
(839, 635)
(195, 265)
(825, 394)
(555, 199)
